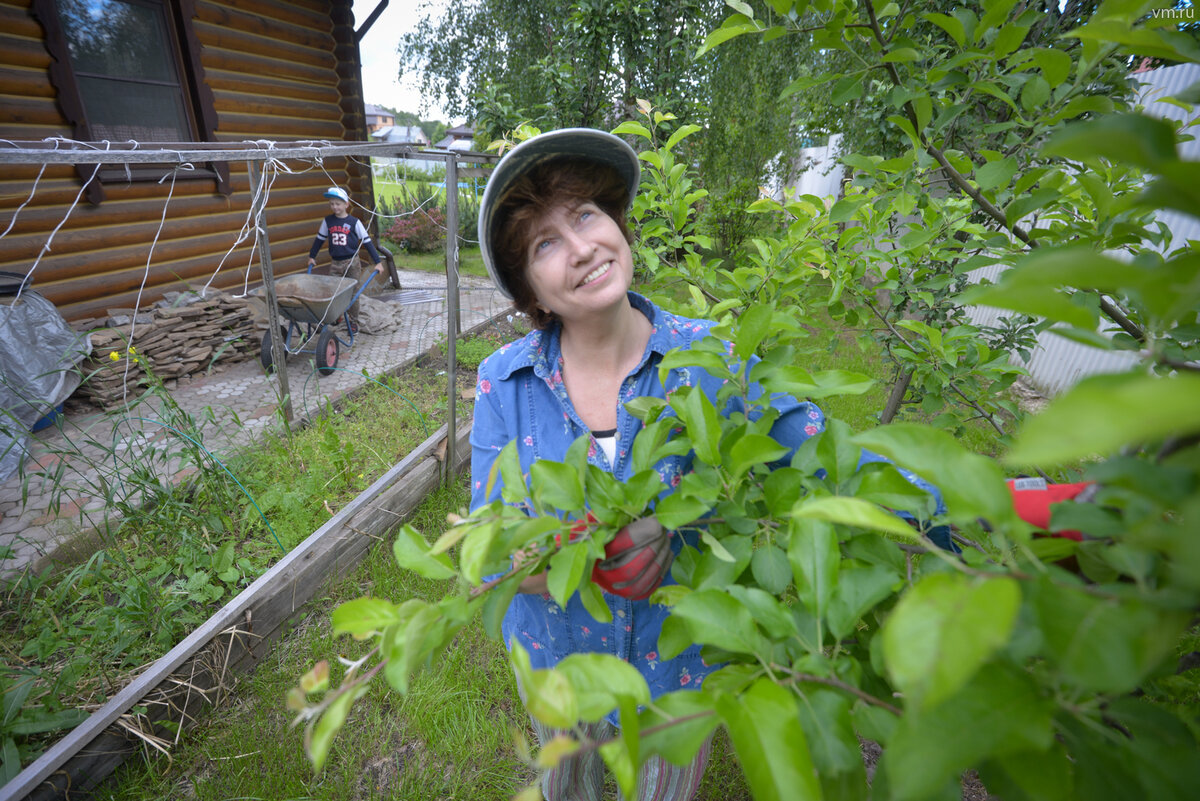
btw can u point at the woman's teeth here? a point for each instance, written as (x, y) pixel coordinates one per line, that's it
(596, 273)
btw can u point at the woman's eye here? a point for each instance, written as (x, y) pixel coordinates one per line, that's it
(542, 245)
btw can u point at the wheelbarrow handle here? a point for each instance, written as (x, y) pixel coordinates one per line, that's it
(362, 288)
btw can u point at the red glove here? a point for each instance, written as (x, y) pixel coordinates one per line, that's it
(636, 560)
(1032, 498)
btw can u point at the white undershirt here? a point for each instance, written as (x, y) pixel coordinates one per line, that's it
(607, 440)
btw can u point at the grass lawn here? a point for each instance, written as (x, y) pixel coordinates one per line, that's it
(449, 738)
(469, 260)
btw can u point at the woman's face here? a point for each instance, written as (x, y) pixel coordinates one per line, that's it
(577, 260)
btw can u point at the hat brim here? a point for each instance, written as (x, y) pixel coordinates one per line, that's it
(587, 144)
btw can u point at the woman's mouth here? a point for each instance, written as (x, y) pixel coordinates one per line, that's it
(596, 273)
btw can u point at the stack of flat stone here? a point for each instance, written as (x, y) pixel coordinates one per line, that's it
(185, 334)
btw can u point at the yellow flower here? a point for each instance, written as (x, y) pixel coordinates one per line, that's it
(133, 350)
(114, 356)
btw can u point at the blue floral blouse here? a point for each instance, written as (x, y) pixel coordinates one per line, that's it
(520, 396)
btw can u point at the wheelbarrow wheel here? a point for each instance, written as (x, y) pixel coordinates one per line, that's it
(328, 350)
(268, 355)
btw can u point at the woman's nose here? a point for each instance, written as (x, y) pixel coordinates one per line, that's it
(579, 247)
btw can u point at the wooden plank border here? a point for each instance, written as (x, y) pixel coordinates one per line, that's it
(238, 634)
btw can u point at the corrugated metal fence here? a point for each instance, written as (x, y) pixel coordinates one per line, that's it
(1057, 364)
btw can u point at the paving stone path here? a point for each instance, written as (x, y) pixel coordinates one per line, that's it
(242, 399)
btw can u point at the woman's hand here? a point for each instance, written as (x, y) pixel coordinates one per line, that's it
(535, 584)
(636, 560)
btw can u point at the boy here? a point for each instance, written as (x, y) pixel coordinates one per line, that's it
(345, 234)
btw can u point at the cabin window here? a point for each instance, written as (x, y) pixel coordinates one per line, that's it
(130, 70)
(124, 56)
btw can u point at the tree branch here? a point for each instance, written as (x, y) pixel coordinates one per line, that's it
(1110, 309)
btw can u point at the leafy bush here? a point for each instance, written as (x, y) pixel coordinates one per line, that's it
(831, 618)
(422, 231)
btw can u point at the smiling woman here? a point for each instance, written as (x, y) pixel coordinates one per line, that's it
(553, 235)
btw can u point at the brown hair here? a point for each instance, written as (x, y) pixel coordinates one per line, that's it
(544, 187)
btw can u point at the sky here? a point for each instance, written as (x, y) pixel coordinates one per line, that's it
(380, 64)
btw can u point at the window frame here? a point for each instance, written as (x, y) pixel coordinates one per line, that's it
(197, 97)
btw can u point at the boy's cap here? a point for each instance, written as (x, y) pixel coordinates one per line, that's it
(588, 144)
(338, 193)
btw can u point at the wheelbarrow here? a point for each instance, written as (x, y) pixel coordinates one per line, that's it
(313, 305)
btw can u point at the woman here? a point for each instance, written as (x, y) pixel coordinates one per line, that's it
(554, 238)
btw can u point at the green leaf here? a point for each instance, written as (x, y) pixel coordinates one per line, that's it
(1103, 644)
(815, 559)
(752, 327)
(1145, 42)
(329, 724)
(727, 32)
(495, 607)
(999, 712)
(1079, 425)
(765, 729)
(365, 616)
(883, 484)
(1035, 93)
(548, 694)
(508, 464)
(10, 760)
(412, 553)
(1008, 40)
(846, 89)
(703, 424)
(681, 133)
(845, 209)
(773, 617)
(996, 174)
(1030, 775)
(714, 364)
(593, 601)
(677, 510)
(995, 14)
(770, 569)
(853, 512)
(950, 25)
(635, 128)
(806, 83)
(1178, 187)
(901, 55)
(1037, 301)
(1054, 64)
(715, 618)
(1122, 138)
(836, 754)
(680, 742)
(48, 721)
(566, 570)
(558, 484)
(972, 485)
(598, 680)
(753, 449)
(858, 591)
(944, 630)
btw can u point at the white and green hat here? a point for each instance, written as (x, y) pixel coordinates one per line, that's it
(587, 144)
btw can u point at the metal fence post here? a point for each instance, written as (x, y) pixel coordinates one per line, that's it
(452, 321)
(278, 348)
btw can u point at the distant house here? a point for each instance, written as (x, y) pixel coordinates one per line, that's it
(378, 118)
(201, 71)
(393, 169)
(459, 137)
(401, 135)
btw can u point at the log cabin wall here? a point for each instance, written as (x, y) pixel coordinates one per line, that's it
(276, 69)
